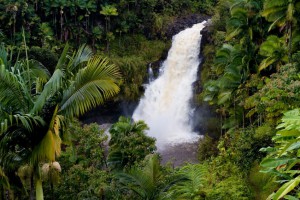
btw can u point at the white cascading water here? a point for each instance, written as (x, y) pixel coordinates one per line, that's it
(165, 106)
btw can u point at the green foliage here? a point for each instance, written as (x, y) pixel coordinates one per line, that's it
(146, 182)
(275, 51)
(282, 160)
(129, 143)
(34, 106)
(262, 184)
(225, 179)
(45, 56)
(134, 71)
(47, 21)
(207, 148)
(133, 60)
(242, 147)
(79, 182)
(193, 187)
(231, 188)
(279, 93)
(82, 176)
(87, 145)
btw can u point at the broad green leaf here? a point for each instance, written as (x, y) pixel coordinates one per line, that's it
(286, 188)
(275, 162)
(223, 97)
(289, 197)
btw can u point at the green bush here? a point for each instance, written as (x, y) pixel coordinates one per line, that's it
(129, 143)
(262, 184)
(231, 188)
(45, 56)
(207, 148)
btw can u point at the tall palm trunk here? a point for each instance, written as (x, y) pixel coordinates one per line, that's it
(61, 23)
(31, 188)
(39, 190)
(290, 35)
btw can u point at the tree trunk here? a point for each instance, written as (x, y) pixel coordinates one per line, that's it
(52, 191)
(2, 193)
(61, 24)
(39, 190)
(31, 188)
(290, 35)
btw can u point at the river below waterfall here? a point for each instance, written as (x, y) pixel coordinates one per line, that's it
(166, 105)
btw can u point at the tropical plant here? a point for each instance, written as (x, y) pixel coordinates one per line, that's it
(84, 174)
(148, 181)
(276, 94)
(275, 51)
(244, 20)
(108, 11)
(51, 173)
(36, 108)
(192, 187)
(283, 14)
(282, 159)
(129, 143)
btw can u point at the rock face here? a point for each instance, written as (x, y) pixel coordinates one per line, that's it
(206, 34)
(183, 23)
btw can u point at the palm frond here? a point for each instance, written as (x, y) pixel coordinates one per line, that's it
(50, 146)
(191, 179)
(51, 87)
(146, 181)
(38, 70)
(3, 55)
(91, 86)
(61, 64)
(11, 89)
(82, 56)
(25, 120)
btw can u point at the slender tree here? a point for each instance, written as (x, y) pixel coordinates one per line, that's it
(33, 116)
(283, 14)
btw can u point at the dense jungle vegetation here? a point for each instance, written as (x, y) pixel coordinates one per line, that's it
(61, 58)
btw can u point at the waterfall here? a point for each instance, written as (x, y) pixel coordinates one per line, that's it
(150, 73)
(165, 106)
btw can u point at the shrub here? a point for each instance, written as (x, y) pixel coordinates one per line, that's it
(231, 188)
(207, 148)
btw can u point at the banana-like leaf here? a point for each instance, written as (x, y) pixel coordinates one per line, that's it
(286, 188)
(275, 162)
(224, 96)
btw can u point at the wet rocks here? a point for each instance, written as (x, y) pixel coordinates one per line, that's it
(184, 22)
(206, 34)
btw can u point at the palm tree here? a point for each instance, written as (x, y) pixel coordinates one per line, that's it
(244, 20)
(229, 61)
(283, 14)
(50, 172)
(274, 50)
(34, 109)
(232, 63)
(108, 11)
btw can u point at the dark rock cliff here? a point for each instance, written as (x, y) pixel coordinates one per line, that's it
(183, 23)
